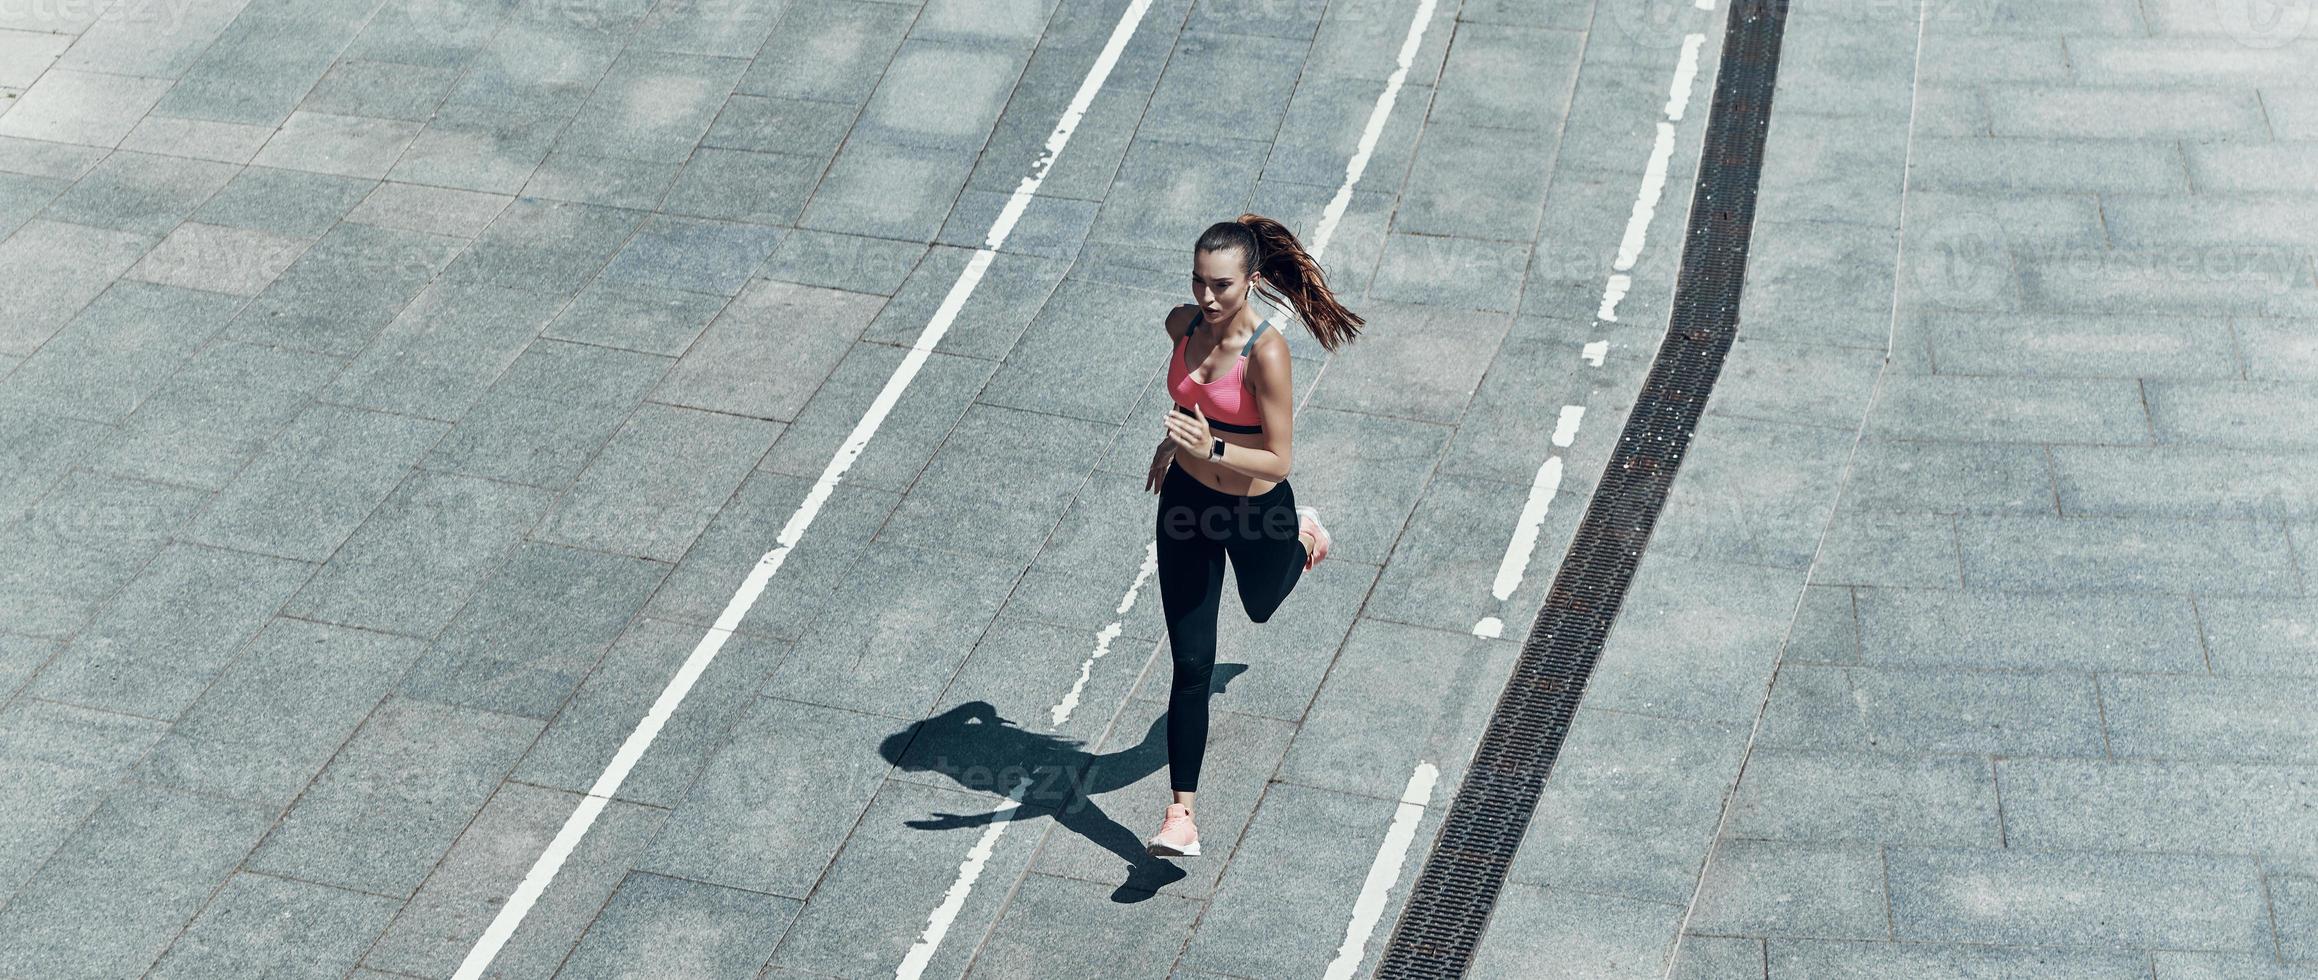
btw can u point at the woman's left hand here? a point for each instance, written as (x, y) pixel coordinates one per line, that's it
(1190, 432)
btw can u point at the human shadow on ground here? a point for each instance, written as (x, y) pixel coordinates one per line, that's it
(980, 750)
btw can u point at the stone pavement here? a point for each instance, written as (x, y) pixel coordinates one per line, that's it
(393, 393)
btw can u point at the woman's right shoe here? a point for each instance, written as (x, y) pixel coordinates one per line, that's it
(1308, 520)
(1177, 837)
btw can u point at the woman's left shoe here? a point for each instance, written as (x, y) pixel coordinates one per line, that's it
(1308, 520)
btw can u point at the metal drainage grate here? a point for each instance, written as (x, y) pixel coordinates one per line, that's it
(1450, 903)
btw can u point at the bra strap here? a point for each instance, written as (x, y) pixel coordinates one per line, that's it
(1251, 344)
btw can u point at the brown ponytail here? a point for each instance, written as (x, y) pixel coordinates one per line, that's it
(1294, 277)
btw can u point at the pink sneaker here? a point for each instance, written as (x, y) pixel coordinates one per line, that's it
(1309, 520)
(1177, 837)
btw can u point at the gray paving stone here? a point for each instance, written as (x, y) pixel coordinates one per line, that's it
(1050, 929)
(659, 481)
(890, 644)
(1808, 889)
(1888, 549)
(1443, 571)
(2257, 636)
(733, 29)
(776, 801)
(1187, 101)
(743, 532)
(2192, 808)
(908, 437)
(421, 553)
(513, 436)
(58, 268)
(287, 202)
(24, 195)
(259, 925)
(2090, 346)
(1695, 639)
(239, 261)
(1538, 364)
(533, 631)
(120, 889)
(2010, 409)
(1865, 797)
(1402, 366)
(1625, 810)
(1753, 491)
(1068, 362)
(1031, 670)
(2016, 163)
(1717, 958)
(1456, 273)
(548, 246)
(213, 415)
(1283, 904)
(2182, 718)
(2128, 554)
(56, 161)
(768, 123)
(318, 480)
(1932, 711)
(758, 359)
(81, 107)
(1957, 477)
(410, 32)
(271, 720)
(430, 210)
(2268, 280)
(573, 173)
(938, 95)
(116, 352)
(1508, 77)
(346, 288)
(1819, 265)
(63, 762)
(853, 263)
(171, 631)
(477, 149)
(738, 185)
(393, 800)
(351, 146)
(860, 39)
(440, 354)
(2022, 897)
(1009, 297)
(2219, 165)
(2122, 112)
(1200, 175)
(1548, 932)
(1050, 227)
(886, 189)
(2266, 415)
(638, 318)
(2174, 965)
(1324, 124)
(1820, 167)
(260, 66)
(1861, 961)
(898, 866)
(449, 913)
(1367, 728)
(976, 498)
(2294, 908)
(381, 90)
(577, 748)
(80, 544)
(29, 53)
(2034, 631)
(702, 930)
(198, 139)
(696, 256)
(139, 192)
(20, 657)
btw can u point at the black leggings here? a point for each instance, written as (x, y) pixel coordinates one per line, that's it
(1197, 526)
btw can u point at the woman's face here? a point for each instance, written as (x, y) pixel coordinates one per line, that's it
(1220, 283)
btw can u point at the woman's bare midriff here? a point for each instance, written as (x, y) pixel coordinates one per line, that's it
(1221, 478)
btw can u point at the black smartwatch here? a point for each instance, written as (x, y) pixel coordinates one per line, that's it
(1217, 452)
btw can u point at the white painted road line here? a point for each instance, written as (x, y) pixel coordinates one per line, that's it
(543, 871)
(1330, 217)
(1384, 871)
(1523, 545)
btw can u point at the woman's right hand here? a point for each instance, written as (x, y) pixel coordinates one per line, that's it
(1160, 459)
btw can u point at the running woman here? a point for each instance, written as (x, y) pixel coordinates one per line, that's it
(1221, 473)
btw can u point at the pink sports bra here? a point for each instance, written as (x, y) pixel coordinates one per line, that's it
(1225, 400)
